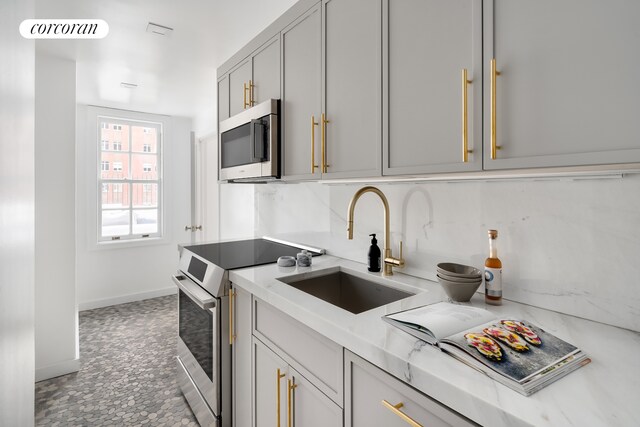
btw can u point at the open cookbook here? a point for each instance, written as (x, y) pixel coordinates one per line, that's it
(512, 351)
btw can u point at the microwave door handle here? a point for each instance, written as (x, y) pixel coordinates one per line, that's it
(257, 137)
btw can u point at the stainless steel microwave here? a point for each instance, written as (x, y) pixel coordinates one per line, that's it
(249, 146)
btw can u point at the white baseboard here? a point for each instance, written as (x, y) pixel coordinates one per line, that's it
(105, 302)
(52, 371)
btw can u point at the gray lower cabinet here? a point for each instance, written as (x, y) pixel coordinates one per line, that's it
(375, 398)
(241, 327)
(429, 126)
(567, 91)
(284, 397)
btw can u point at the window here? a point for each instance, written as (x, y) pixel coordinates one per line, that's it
(129, 180)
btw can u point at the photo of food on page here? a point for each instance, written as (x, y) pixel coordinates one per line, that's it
(515, 348)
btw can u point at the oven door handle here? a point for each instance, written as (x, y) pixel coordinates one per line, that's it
(194, 292)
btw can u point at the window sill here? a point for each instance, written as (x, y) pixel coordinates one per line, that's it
(131, 243)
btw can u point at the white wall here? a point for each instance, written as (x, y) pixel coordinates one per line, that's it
(56, 325)
(16, 216)
(566, 245)
(124, 273)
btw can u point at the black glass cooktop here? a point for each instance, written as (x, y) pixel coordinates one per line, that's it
(244, 253)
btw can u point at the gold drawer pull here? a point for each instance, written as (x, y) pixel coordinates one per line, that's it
(279, 376)
(323, 148)
(231, 334)
(465, 127)
(291, 385)
(396, 410)
(245, 104)
(494, 130)
(313, 144)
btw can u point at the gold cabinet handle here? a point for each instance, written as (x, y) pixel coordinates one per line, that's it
(323, 148)
(245, 104)
(231, 335)
(494, 145)
(396, 410)
(465, 128)
(291, 385)
(313, 144)
(279, 376)
(252, 101)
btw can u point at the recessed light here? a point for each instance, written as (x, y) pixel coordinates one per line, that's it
(128, 85)
(158, 29)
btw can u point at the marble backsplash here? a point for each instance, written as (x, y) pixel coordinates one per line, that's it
(568, 245)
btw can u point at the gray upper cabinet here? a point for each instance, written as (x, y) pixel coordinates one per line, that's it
(223, 98)
(352, 87)
(239, 80)
(256, 78)
(567, 93)
(428, 44)
(302, 96)
(266, 72)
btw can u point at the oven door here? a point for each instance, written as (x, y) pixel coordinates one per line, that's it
(199, 341)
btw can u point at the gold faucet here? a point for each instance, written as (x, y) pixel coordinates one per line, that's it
(389, 261)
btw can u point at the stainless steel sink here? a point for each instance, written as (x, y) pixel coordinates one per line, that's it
(345, 290)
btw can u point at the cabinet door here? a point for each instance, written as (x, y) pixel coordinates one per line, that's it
(266, 72)
(307, 406)
(367, 387)
(241, 358)
(353, 87)
(301, 96)
(567, 92)
(223, 98)
(428, 44)
(238, 77)
(270, 387)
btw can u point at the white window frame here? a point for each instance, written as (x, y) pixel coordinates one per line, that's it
(117, 167)
(146, 148)
(120, 118)
(117, 146)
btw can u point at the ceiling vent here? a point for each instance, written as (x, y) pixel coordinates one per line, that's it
(128, 85)
(158, 29)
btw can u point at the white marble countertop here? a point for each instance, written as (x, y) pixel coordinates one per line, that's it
(603, 393)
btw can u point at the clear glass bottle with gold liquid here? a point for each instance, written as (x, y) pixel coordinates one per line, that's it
(493, 273)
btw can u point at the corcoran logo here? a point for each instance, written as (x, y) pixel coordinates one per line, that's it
(64, 28)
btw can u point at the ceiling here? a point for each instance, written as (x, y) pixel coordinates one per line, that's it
(175, 74)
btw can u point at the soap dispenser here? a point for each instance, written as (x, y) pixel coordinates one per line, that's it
(374, 255)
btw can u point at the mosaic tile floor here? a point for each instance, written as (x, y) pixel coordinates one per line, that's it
(127, 374)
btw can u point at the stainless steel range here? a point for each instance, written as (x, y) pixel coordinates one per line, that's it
(204, 349)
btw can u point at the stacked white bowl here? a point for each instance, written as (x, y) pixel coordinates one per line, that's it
(459, 281)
